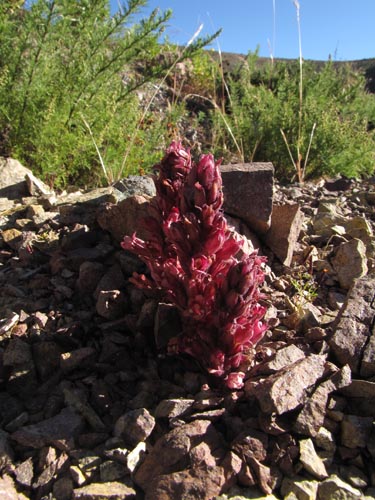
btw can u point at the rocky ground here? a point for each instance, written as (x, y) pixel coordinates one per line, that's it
(92, 408)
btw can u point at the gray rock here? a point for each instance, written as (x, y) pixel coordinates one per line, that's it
(248, 193)
(284, 357)
(62, 427)
(301, 488)
(286, 390)
(335, 488)
(327, 219)
(350, 262)
(135, 457)
(24, 472)
(12, 179)
(325, 440)
(63, 488)
(108, 491)
(356, 431)
(310, 460)
(91, 198)
(286, 225)
(352, 328)
(311, 418)
(111, 471)
(8, 490)
(136, 184)
(134, 426)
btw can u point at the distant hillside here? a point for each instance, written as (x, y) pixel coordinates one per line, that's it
(232, 61)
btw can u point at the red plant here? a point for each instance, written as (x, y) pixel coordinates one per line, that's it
(195, 259)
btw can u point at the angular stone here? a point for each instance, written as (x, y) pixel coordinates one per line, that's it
(325, 440)
(25, 472)
(286, 390)
(171, 452)
(335, 488)
(12, 179)
(251, 443)
(284, 357)
(190, 484)
(36, 187)
(171, 408)
(89, 199)
(248, 193)
(12, 237)
(134, 426)
(8, 490)
(327, 219)
(300, 487)
(356, 431)
(75, 401)
(135, 457)
(311, 418)
(350, 262)
(310, 459)
(201, 455)
(62, 427)
(108, 491)
(263, 474)
(368, 360)
(286, 225)
(124, 218)
(352, 328)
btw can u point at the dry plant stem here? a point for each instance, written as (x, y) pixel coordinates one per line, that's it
(108, 178)
(132, 140)
(298, 163)
(309, 147)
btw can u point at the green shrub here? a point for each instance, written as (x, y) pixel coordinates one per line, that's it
(264, 99)
(69, 76)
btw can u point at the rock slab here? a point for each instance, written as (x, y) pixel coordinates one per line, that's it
(248, 193)
(354, 326)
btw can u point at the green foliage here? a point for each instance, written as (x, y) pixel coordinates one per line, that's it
(264, 99)
(70, 74)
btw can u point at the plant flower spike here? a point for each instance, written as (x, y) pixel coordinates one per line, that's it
(194, 258)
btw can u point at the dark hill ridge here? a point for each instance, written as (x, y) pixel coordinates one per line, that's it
(233, 61)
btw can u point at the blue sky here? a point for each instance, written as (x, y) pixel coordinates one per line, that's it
(342, 29)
